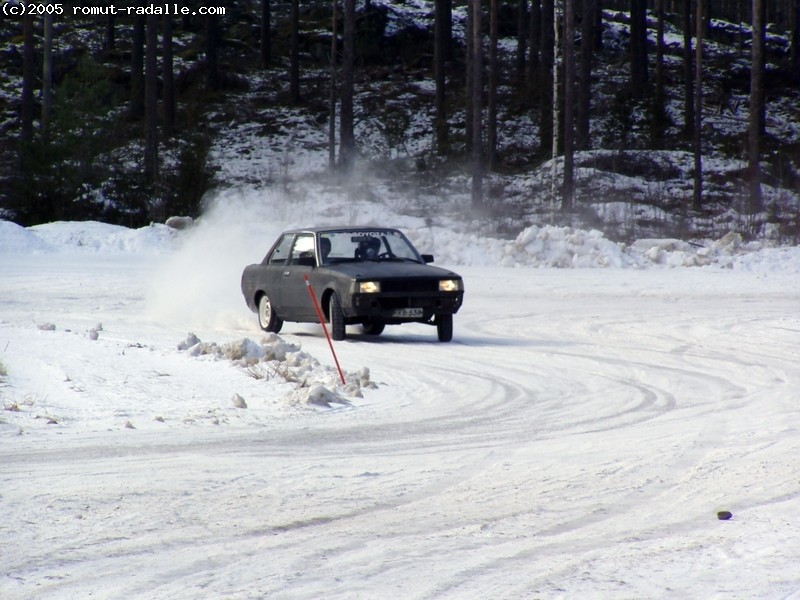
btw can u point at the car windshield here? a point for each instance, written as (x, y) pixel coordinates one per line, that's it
(366, 244)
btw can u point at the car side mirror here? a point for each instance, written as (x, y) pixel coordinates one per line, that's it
(427, 258)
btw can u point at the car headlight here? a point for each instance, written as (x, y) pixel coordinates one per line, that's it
(449, 285)
(369, 287)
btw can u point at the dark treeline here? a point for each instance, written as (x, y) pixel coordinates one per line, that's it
(111, 115)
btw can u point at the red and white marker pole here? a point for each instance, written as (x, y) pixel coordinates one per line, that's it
(321, 318)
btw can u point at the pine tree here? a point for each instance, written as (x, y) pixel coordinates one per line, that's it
(569, 104)
(294, 54)
(582, 123)
(168, 76)
(441, 44)
(476, 101)
(266, 33)
(151, 102)
(347, 143)
(756, 106)
(697, 196)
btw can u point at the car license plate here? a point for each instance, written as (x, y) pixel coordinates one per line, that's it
(407, 312)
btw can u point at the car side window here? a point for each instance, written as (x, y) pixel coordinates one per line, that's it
(303, 248)
(280, 254)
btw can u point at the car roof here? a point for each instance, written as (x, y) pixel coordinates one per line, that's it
(332, 229)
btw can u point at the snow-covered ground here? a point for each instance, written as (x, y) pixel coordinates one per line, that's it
(576, 439)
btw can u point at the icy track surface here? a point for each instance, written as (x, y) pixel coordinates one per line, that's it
(577, 439)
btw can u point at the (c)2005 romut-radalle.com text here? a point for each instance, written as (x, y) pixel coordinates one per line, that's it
(20, 8)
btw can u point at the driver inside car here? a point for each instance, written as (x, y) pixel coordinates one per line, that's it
(324, 250)
(368, 249)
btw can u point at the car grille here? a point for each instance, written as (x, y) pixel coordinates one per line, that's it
(409, 285)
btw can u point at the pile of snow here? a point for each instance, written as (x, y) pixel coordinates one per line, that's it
(729, 252)
(15, 239)
(84, 236)
(275, 359)
(566, 247)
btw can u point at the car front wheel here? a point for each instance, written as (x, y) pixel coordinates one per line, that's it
(267, 319)
(444, 327)
(336, 318)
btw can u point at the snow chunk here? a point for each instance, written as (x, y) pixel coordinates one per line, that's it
(191, 340)
(321, 396)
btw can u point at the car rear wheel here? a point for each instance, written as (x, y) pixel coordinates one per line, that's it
(444, 327)
(267, 319)
(336, 318)
(371, 328)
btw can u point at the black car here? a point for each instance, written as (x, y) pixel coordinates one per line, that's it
(370, 276)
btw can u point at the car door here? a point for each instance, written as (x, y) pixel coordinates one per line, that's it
(272, 270)
(301, 262)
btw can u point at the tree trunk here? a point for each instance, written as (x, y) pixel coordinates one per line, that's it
(688, 87)
(547, 56)
(522, 41)
(535, 47)
(440, 126)
(598, 27)
(554, 129)
(333, 89)
(47, 77)
(151, 102)
(756, 100)
(111, 37)
(477, 102)
(347, 142)
(494, 81)
(697, 197)
(569, 101)
(294, 54)
(28, 59)
(795, 52)
(583, 122)
(638, 47)
(168, 76)
(762, 117)
(137, 68)
(448, 29)
(266, 33)
(469, 51)
(212, 62)
(659, 96)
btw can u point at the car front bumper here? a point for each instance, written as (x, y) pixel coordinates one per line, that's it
(402, 308)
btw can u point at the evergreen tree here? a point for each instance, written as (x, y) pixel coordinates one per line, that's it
(347, 143)
(569, 105)
(756, 106)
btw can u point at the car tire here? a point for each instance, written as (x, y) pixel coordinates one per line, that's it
(444, 327)
(336, 318)
(267, 318)
(373, 328)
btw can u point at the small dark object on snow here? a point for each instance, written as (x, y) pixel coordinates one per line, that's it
(724, 515)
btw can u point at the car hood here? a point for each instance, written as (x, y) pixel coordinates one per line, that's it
(389, 270)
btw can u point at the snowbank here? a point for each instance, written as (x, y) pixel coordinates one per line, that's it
(235, 233)
(84, 236)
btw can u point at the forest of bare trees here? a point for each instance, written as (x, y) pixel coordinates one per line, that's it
(141, 105)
